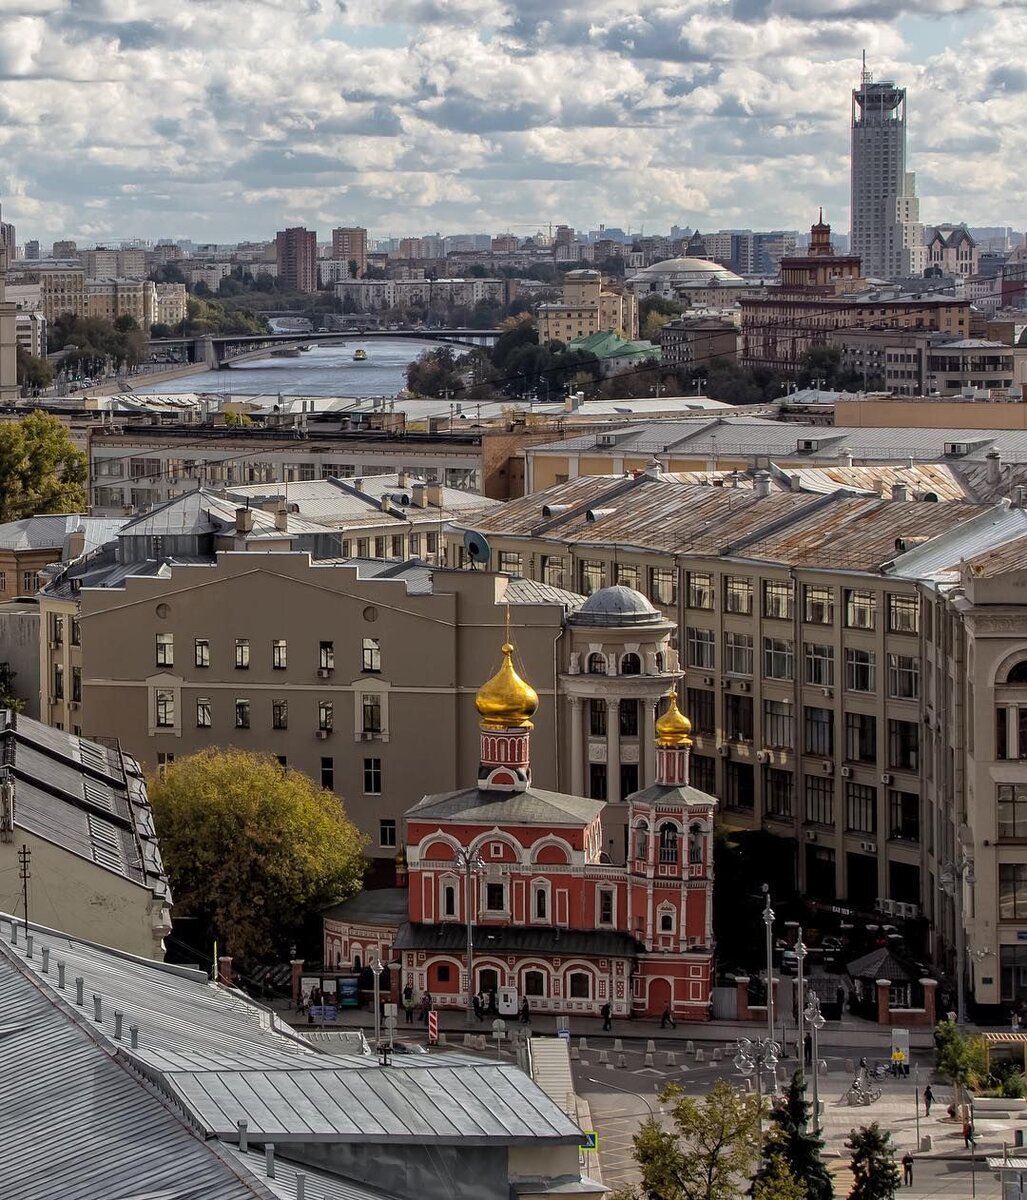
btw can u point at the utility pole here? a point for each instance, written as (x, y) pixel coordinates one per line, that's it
(24, 858)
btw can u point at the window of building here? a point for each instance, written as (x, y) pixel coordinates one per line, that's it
(554, 570)
(778, 724)
(628, 718)
(76, 683)
(242, 654)
(596, 664)
(861, 808)
(904, 815)
(165, 649)
(592, 575)
(597, 781)
(630, 664)
(700, 589)
(903, 614)
(704, 773)
(279, 655)
(1013, 965)
(242, 714)
(778, 599)
(628, 779)
(580, 985)
(371, 654)
(495, 897)
(778, 658)
(817, 605)
(1012, 891)
(819, 800)
(860, 609)
(699, 705)
(738, 785)
(372, 776)
(605, 906)
(76, 629)
(778, 787)
(597, 718)
(666, 921)
(860, 670)
(818, 731)
(386, 832)
(904, 745)
(534, 983)
(738, 594)
(510, 561)
(58, 681)
(201, 652)
(860, 737)
(738, 718)
(326, 656)
(165, 708)
(379, 547)
(57, 629)
(819, 663)
(279, 714)
(903, 676)
(541, 907)
(371, 713)
(325, 715)
(203, 720)
(449, 901)
(328, 773)
(700, 648)
(738, 653)
(28, 581)
(1012, 810)
(628, 575)
(663, 585)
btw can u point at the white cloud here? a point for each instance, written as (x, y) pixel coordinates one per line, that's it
(224, 120)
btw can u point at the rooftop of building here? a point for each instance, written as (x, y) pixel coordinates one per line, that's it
(687, 270)
(84, 797)
(607, 345)
(54, 532)
(475, 806)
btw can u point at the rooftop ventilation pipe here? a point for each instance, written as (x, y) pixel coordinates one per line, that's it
(846, 456)
(301, 1186)
(761, 483)
(994, 461)
(98, 1009)
(80, 991)
(46, 959)
(898, 491)
(244, 1144)
(269, 1159)
(119, 1024)
(28, 945)
(133, 1036)
(60, 976)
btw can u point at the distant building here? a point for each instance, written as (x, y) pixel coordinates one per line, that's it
(372, 294)
(951, 250)
(588, 306)
(8, 239)
(616, 354)
(67, 290)
(8, 340)
(29, 545)
(104, 263)
(697, 341)
(296, 254)
(64, 249)
(697, 282)
(32, 250)
(886, 233)
(350, 245)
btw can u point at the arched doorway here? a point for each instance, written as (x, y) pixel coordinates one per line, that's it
(659, 996)
(488, 984)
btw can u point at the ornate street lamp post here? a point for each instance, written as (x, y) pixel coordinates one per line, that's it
(755, 1056)
(815, 1020)
(768, 920)
(800, 956)
(471, 864)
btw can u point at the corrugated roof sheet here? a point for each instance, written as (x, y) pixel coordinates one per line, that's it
(533, 807)
(46, 532)
(519, 939)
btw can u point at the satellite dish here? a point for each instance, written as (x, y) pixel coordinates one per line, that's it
(477, 547)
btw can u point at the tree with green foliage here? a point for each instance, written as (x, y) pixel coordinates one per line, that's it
(779, 1182)
(961, 1059)
(874, 1169)
(8, 697)
(34, 373)
(435, 373)
(41, 470)
(710, 1153)
(252, 848)
(790, 1141)
(214, 316)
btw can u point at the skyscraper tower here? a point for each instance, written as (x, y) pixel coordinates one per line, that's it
(885, 229)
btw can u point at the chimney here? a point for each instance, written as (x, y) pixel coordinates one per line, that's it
(119, 1024)
(761, 483)
(1018, 496)
(46, 960)
(401, 479)
(898, 491)
(846, 456)
(282, 517)
(419, 494)
(301, 1186)
(269, 1159)
(244, 520)
(98, 1009)
(75, 544)
(434, 495)
(358, 485)
(28, 945)
(795, 481)
(80, 991)
(994, 461)
(225, 969)
(244, 1145)
(133, 1036)
(60, 975)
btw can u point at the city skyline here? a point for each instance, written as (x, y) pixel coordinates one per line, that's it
(198, 122)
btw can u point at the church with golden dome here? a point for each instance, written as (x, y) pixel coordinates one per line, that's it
(526, 877)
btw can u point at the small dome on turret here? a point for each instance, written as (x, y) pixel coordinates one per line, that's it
(673, 728)
(617, 605)
(506, 701)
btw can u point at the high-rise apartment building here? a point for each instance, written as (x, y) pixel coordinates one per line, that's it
(296, 252)
(885, 214)
(8, 338)
(8, 238)
(350, 246)
(64, 249)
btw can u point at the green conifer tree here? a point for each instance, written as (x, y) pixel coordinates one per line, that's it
(800, 1147)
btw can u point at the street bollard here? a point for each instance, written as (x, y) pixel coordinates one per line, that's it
(618, 1045)
(622, 1062)
(715, 1057)
(650, 1047)
(649, 1061)
(575, 1054)
(672, 1059)
(689, 1047)
(610, 1066)
(441, 1038)
(582, 1043)
(604, 1056)
(699, 1056)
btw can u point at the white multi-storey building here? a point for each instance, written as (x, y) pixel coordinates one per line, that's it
(885, 214)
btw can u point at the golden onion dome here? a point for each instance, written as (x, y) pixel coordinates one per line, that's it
(673, 728)
(506, 701)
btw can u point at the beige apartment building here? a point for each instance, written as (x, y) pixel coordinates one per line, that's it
(8, 341)
(588, 306)
(73, 291)
(828, 672)
(350, 245)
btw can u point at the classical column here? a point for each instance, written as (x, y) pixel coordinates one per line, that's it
(613, 750)
(648, 741)
(577, 753)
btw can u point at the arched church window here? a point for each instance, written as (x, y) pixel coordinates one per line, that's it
(630, 664)
(642, 840)
(597, 664)
(668, 843)
(695, 844)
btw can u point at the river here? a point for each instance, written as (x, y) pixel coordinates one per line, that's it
(320, 371)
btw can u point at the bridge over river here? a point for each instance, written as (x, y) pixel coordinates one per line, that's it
(221, 350)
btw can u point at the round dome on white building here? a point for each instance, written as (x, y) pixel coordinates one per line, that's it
(683, 273)
(616, 606)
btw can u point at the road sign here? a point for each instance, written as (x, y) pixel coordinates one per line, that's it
(591, 1141)
(433, 1026)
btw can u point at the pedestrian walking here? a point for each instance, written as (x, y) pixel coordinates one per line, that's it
(479, 1012)
(606, 1013)
(525, 1012)
(667, 1018)
(928, 1099)
(907, 1169)
(808, 1049)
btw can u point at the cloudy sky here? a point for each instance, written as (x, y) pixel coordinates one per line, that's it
(225, 119)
